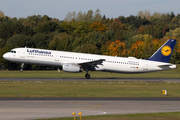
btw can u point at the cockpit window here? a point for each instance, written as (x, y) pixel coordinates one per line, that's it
(12, 51)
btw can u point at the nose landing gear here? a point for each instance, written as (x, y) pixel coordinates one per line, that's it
(22, 65)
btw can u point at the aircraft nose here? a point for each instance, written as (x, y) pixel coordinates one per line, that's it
(5, 56)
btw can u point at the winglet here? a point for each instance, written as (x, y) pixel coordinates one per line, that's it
(164, 53)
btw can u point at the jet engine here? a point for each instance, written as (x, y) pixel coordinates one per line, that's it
(71, 68)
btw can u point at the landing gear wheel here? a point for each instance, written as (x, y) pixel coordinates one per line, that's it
(87, 76)
(22, 65)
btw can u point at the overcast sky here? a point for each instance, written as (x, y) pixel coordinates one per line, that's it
(60, 8)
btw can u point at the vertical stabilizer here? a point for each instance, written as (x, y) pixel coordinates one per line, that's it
(164, 53)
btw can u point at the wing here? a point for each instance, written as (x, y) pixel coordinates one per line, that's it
(92, 64)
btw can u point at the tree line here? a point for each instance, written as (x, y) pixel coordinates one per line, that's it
(138, 36)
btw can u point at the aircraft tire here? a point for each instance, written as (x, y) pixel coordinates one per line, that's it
(87, 76)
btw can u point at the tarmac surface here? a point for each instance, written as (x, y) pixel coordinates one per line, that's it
(37, 108)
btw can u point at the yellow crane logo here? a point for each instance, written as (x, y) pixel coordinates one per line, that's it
(166, 50)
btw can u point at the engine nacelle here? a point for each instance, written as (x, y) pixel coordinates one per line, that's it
(71, 68)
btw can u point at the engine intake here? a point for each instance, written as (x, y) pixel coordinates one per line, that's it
(71, 68)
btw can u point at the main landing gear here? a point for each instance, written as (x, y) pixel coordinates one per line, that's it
(87, 76)
(22, 65)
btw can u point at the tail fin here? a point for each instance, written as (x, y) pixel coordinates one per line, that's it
(164, 53)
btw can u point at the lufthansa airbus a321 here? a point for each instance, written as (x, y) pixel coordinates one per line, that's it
(77, 62)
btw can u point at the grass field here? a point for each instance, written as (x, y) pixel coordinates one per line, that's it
(148, 116)
(87, 89)
(174, 73)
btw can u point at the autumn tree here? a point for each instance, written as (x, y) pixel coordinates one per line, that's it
(174, 34)
(116, 48)
(142, 44)
(176, 19)
(80, 17)
(144, 14)
(1, 14)
(137, 49)
(141, 29)
(116, 30)
(98, 26)
(97, 16)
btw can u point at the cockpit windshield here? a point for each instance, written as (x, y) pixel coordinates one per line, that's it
(12, 51)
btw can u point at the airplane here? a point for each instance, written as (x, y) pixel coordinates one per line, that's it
(77, 62)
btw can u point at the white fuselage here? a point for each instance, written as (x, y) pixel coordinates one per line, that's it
(111, 64)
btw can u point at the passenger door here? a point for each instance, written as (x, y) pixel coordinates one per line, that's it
(145, 65)
(57, 57)
(22, 54)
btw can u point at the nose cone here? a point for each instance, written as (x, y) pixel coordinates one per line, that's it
(5, 56)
